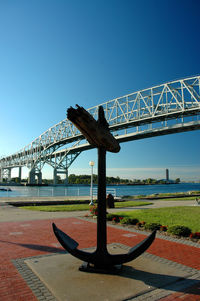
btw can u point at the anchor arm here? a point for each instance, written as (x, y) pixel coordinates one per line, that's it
(71, 245)
(134, 252)
(104, 258)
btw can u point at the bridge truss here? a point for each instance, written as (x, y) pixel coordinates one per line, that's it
(168, 108)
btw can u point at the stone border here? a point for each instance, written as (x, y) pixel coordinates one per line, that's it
(180, 285)
(42, 293)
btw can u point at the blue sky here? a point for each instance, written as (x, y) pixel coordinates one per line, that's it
(56, 53)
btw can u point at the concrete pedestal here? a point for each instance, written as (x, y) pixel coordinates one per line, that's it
(60, 273)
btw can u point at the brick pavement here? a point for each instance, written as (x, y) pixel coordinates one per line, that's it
(31, 238)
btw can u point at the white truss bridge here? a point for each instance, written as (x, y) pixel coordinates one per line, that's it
(168, 108)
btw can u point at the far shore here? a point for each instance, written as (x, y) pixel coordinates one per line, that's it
(86, 185)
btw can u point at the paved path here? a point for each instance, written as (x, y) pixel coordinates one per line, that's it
(27, 233)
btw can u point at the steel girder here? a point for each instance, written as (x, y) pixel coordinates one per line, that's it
(159, 107)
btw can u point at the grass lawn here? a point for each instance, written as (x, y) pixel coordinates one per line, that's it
(189, 198)
(186, 198)
(131, 204)
(185, 215)
(79, 207)
(58, 208)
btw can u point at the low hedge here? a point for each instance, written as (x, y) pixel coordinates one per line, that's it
(179, 230)
(152, 226)
(110, 216)
(128, 220)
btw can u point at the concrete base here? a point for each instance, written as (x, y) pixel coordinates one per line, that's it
(60, 273)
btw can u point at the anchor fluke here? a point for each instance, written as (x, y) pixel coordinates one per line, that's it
(64, 238)
(70, 245)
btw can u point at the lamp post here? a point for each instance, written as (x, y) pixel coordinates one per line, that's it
(91, 163)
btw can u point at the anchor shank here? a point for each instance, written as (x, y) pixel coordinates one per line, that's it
(101, 217)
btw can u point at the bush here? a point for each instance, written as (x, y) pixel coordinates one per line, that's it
(163, 228)
(195, 235)
(134, 221)
(94, 211)
(116, 219)
(179, 230)
(113, 217)
(125, 220)
(110, 216)
(152, 226)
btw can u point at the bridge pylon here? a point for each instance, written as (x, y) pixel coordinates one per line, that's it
(61, 163)
(5, 173)
(33, 173)
(56, 172)
(20, 174)
(1, 173)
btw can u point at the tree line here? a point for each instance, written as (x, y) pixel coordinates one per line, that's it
(86, 180)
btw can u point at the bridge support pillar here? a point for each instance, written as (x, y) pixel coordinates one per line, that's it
(32, 175)
(66, 177)
(2, 174)
(55, 174)
(20, 174)
(5, 174)
(9, 174)
(39, 178)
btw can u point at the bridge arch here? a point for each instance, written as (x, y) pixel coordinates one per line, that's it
(160, 110)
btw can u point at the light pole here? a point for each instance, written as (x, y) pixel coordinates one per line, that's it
(91, 163)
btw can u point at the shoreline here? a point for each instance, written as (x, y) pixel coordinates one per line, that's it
(121, 191)
(57, 200)
(94, 184)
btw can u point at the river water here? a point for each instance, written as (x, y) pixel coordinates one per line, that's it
(82, 190)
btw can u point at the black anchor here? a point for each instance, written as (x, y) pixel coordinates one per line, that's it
(100, 260)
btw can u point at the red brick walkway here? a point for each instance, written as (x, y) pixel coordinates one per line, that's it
(32, 238)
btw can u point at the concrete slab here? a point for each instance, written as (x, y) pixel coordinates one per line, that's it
(61, 276)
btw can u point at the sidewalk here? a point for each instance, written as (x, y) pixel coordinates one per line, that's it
(26, 234)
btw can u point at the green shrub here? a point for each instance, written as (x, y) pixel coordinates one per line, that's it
(125, 220)
(113, 217)
(128, 220)
(110, 216)
(94, 210)
(133, 221)
(152, 226)
(195, 235)
(116, 219)
(179, 230)
(163, 228)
